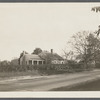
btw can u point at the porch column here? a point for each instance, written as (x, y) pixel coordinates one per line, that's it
(37, 62)
(32, 62)
(42, 62)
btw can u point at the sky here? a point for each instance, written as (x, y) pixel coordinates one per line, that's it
(26, 26)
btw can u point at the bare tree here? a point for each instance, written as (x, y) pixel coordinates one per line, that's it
(85, 46)
(97, 9)
(69, 55)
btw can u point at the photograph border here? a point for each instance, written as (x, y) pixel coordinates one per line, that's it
(72, 95)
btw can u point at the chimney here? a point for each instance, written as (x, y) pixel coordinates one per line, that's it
(23, 52)
(51, 51)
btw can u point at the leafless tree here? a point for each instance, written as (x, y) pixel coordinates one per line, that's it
(85, 47)
(97, 9)
(69, 55)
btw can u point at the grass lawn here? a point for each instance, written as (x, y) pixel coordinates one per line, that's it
(16, 74)
(89, 86)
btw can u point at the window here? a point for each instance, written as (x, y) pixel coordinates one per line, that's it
(43, 62)
(35, 62)
(62, 62)
(30, 62)
(40, 62)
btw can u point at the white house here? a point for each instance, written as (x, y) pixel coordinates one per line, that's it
(30, 59)
(42, 58)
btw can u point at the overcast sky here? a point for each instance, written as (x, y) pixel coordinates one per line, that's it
(46, 25)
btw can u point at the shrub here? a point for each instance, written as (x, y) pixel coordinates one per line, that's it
(46, 68)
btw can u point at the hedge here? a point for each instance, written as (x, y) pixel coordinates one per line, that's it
(43, 68)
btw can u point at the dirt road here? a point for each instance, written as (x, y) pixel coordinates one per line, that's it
(45, 83)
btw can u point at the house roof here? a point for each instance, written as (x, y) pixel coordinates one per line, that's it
(42, 56)
(32, 56)
(53, 56)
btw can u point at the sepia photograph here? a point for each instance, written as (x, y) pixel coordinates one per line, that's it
(49, 47)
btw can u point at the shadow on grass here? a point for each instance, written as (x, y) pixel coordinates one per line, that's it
(87, 86)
